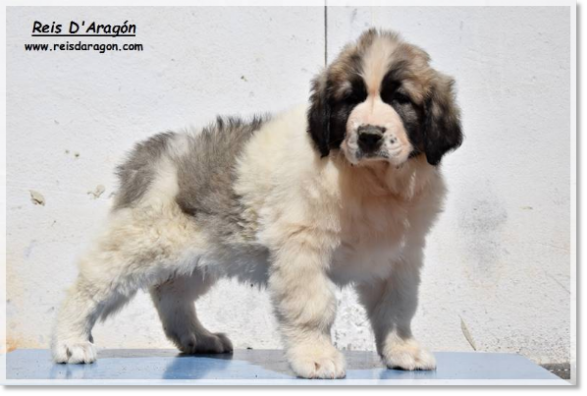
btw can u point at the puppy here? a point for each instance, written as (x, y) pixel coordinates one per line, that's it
(340, 192)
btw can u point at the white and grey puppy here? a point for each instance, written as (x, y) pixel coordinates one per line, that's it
(340, 192)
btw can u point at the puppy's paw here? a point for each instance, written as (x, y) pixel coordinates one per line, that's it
(74, 352)
(408, 355)
(317, 362)
(197, 343)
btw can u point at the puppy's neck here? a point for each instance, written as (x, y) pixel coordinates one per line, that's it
(405, 182)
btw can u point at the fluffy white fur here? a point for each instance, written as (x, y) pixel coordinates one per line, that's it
(335, 226)
(325, 223)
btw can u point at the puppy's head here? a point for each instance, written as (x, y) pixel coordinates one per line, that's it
(381, 101)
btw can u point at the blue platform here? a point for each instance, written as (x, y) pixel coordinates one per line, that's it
(265, 367)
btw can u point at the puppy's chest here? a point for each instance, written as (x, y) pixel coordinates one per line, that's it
(372, 236)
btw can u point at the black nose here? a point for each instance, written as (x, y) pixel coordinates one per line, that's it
(370, 137)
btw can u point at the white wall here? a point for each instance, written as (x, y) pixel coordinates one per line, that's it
(498, 259)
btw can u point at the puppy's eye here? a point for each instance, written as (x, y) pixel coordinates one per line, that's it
(395, 96)
(356, 92)
(401, 97)
(356, 96)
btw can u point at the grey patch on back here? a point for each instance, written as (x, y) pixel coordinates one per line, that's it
(138, 172)
(207, 174)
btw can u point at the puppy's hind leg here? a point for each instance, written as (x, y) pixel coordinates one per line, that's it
(137, 251)
(174, 300)
(87, 300)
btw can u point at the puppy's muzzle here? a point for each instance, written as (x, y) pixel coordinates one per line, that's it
(370, 137)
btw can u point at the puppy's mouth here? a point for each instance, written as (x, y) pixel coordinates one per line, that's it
(378, 155)
(356, 156)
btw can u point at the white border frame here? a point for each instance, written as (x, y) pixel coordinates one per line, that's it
(573, 167)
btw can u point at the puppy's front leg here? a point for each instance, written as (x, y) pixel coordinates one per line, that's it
(391, 305)
(305, 305)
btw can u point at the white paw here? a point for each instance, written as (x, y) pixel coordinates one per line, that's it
(327, 363)
(74, 352)
(195, 343)
(409, 355)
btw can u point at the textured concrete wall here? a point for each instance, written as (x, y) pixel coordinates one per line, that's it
(498, 260)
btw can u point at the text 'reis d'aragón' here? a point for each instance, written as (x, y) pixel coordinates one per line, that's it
(84, 28)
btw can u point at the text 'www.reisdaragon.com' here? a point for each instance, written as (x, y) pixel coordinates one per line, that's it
(80, 46)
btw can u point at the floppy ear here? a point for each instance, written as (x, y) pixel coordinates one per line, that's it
(319, 115)
(442, 126)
